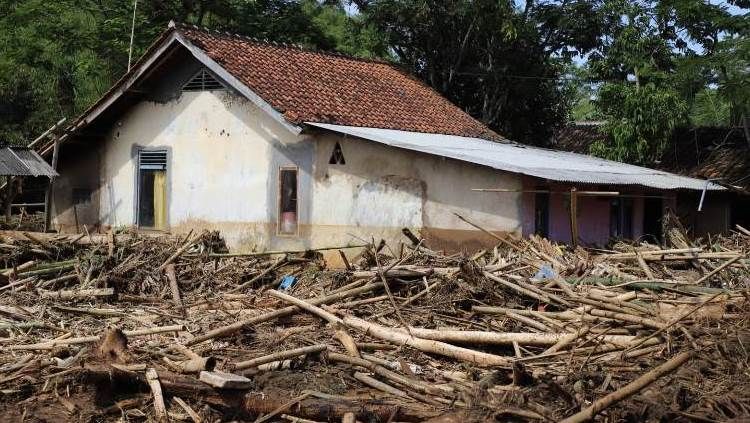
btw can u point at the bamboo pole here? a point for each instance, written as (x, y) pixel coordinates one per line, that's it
(282, 355)
(282, 312)
(48, 345)
(630, 389)
(435, 347)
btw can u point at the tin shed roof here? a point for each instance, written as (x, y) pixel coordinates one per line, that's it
(22, 161)
(538, 162)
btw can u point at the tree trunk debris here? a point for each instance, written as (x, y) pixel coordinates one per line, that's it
(105, 327)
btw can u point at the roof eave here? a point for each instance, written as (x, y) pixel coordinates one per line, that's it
(169, 40)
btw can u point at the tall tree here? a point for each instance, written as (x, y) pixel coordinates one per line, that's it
(501, 63)
(659, 60)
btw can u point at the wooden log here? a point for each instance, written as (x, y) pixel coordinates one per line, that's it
(278, 263)
(374, 383)
(435, 347)
(48, 345)
(281, 355)
(718, 269)
(192, 365)
(407, 382)
(189, 410)
(339, 331)
(627, 318)
(173, 286)
(189, 243)
(506, 338)
(630, 389)
(77, 294)
(159, 408)
(518, 289)
(282, 312)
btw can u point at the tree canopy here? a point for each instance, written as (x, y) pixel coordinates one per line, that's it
(522, 67)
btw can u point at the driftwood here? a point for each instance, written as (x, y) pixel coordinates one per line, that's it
(630, 389)
(479, 334)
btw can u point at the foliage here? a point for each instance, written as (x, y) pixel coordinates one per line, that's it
(659, 59)
(640, 121)
(506, 62)
(501, 64)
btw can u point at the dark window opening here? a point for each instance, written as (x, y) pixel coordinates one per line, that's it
(203, 81)
(288, 201)
(152, 189)
(541, 214)
(652, 215)
(81, 196)
(337, 156)
(621, 218)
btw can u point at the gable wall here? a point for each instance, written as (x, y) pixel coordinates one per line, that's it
(224, 155)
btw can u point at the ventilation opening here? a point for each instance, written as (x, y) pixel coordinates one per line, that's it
(337, 157)
(203, 81)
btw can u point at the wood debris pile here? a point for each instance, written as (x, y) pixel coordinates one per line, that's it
(136, 327)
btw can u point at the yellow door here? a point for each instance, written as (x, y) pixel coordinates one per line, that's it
(160, 199)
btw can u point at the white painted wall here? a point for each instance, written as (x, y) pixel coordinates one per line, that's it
(223, 160)
(389, 188)
(218, 159)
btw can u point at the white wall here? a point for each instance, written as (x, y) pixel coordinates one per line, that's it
(382, 187)
(223, 160)
(219, 147)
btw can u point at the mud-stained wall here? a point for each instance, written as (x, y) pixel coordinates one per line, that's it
(221, 151)
(75, 199)
(381, 189)
(223, 161)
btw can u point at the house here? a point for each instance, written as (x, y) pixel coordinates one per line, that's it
(280, 147)
(718, 154)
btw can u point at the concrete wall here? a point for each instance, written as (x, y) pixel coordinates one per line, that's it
(381, 189)
(224, 156)
(78, 166)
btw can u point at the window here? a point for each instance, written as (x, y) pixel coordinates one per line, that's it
(288, 213)
(621, 218)
(337, 156)
(203, 81)
(81, 196)
(152, 189)
(541, 214)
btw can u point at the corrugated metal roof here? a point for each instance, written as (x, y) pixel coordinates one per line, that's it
(22, 161)
(532, 161)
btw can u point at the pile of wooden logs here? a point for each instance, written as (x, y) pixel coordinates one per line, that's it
(131, 326)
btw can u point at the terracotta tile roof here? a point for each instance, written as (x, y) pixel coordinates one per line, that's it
(311, 86)
(707, 153)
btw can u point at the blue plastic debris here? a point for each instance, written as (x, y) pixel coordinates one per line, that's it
(287, 282)
(545, 272)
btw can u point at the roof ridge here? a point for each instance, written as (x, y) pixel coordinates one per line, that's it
(264, 41)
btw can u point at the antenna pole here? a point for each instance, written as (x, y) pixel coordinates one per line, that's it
(132, 33)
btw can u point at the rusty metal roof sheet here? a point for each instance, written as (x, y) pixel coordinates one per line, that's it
(22, 161)
(538, 162)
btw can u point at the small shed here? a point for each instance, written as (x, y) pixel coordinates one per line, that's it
(19, 162)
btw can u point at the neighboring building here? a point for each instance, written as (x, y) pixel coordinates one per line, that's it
(721, 155)
(279, 147)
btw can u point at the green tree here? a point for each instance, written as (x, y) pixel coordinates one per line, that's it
(500, 63)
(658, 61)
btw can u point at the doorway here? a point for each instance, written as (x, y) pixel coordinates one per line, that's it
(152, 189)
(652, 215)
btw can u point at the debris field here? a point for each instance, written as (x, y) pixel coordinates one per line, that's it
(139, 327)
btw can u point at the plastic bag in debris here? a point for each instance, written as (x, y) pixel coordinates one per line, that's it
(287, 282)
(545, 272)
